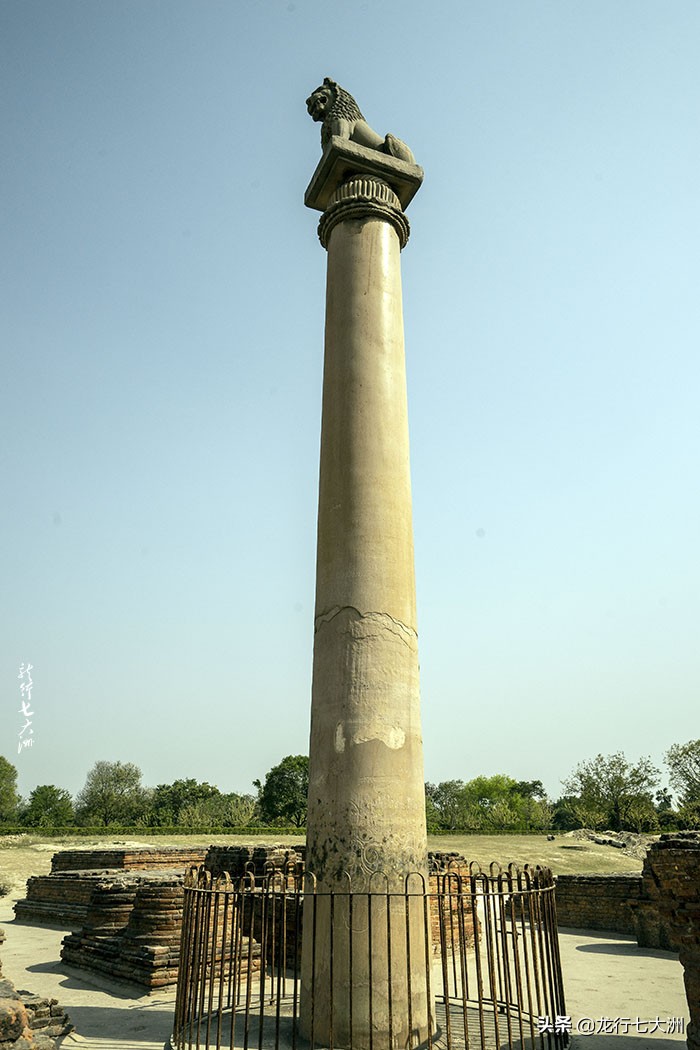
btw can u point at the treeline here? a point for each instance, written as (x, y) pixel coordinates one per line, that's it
(605, 792)
(114, 796)
(487, 804)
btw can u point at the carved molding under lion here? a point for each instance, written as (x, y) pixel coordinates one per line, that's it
(364, 197)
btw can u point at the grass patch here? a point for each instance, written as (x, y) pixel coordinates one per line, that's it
(563, 856)
(30, 854)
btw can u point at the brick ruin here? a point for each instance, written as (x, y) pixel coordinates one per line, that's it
(137, 858)
(660, 907)
(237, 860)
(598, 902)
(62, 898)
(127, 918)
(670, 916)
(628, 903)
(29, 1022)
(57, 900)
(131, 930)
(258, 859)
(124, 906)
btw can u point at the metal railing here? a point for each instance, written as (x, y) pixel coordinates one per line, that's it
(475, 952)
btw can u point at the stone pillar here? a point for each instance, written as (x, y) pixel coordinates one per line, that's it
(366, 796)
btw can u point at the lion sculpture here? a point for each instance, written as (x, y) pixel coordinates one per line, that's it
(340, 114)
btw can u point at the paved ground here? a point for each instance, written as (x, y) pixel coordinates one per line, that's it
(606, 976)
(609, 976)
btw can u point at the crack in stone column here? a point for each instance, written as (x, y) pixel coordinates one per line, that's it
(330, 614)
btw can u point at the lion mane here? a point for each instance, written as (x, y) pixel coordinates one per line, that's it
(344, 107)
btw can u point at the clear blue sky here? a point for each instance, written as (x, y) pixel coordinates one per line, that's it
(162, 333)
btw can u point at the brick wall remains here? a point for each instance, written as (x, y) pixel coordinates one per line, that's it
(61, 899)
(57, 900)
(127, 920)
(652, 913)
(672, 878)
(258, 859)
(598, 902)
(132, 928)
(134, 858)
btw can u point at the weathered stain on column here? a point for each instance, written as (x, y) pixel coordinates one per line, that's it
(366, 796)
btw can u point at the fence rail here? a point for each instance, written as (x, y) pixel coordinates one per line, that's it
(463, 960)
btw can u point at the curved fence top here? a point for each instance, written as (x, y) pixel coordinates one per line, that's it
(454, 878)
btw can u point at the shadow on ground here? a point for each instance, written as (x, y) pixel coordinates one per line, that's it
(625, 948)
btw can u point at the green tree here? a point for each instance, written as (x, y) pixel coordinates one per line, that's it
(487, 791)
(495, 803)
(446, 805)
(565, 815)
(191, 803)
(9, 798)
(432, 816)
(572, 811)
(504, 803)
(535, 813)
(608, 791)
(48, 806)
(169, 800)
(531, 789)
(113, 794)
(284, 795)
(683, 761)
(667, 817)
(222, 811)
(239, 810)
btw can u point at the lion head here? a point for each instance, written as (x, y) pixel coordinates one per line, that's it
(329, 102)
